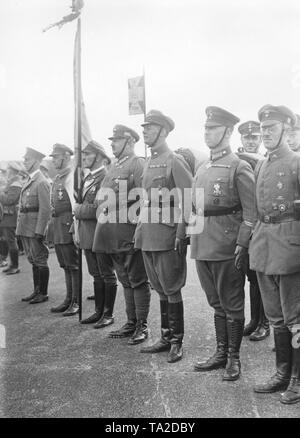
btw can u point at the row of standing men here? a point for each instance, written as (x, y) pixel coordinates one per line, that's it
(243, 219)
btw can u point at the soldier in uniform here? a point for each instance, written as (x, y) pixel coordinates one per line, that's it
(33, 217)
(275, 248)
(163, 240)
(9, 198)
(258, 328)
(293, 138)
(220, 250)
(94, 161)
(62, 203)
(115, 237)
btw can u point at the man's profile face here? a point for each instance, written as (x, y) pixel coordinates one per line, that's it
(150, 133)
(88, 159)
(117, 145)
(271, 134)
(28, 162)
(213, 135)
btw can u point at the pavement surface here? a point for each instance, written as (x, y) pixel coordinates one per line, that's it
(52, 366)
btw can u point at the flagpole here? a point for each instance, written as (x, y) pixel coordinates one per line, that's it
(145, 106)
(79, 146)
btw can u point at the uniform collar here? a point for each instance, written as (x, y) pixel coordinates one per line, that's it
(159, 151)
(278, 153)
(64, 172)
(32, 175)
(220, 154)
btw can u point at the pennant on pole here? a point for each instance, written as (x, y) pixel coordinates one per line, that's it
(136, 94)
(76, 7)
(85, 129)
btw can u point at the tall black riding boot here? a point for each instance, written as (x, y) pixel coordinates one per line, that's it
(164, 342)
(67, 301)
(283, 349)
(73, 309)
(14, 262)
(36, 280)
(99, 291)
(142, 304)
(262, 331)
(43, 286)
(109, 301)
(235, 329)
(176, 324)
(219, 358)
(292, 394)
(255, 303)
(129, 327)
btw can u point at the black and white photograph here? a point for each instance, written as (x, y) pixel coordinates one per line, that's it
(149, 212)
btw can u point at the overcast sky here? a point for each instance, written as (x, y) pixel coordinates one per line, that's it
(235, 54)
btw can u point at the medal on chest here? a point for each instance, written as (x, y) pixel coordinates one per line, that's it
(60, 194)
(217, 189)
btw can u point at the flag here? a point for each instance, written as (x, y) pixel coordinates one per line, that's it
(85, 129)
(76, 7)
(136, 93)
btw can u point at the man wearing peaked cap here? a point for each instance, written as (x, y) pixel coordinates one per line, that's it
(250, 136)
(114, 238)
(94, 160)
(9, 199)
(275, 247)
(258, 327)
(293, 138)
(220, 250)
(32, 222)
(161, 235)
(62, 204)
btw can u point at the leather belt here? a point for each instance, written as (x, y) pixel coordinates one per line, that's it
(223, 211)
(29, 209)
(267, 219)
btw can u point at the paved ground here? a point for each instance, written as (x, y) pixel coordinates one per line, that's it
(55, 367)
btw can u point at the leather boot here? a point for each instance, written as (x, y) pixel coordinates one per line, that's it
(109, 302)
(164, 342)
(292, 394)
(263, 329)
(43, 286)
(283, 350)
(14, 263)
(141, 333)
(176, 325)
(99, 291)
(125, 331)
(255, 303)
(36, 279)
(235, 329)
(219, 359)
(73, 309)
(64, 306)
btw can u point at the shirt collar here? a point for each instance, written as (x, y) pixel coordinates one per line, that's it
(159, 151)
(31, 175)
(220, 154)
(278, 153)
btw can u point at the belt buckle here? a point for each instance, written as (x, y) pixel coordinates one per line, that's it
(267, 219)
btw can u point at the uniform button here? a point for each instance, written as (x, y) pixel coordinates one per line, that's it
(226, 231)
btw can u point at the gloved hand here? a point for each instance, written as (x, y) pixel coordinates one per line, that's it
(39, 237)
(181, 246)
(241, 258)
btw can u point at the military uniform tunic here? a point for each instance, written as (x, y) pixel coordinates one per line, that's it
(275, 245)
(166, 269)
(61, 207)
(117, 238)
(33, 218)
(229, 215)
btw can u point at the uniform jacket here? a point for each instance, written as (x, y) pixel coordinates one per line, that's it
(9, 199)
(275, 247)
(86, 211)
(61, 206)
(164, 169)
(227, 182)
(118, 237)
(35, 194)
